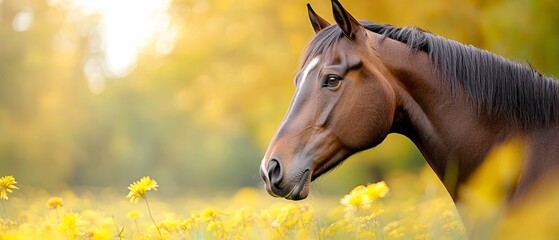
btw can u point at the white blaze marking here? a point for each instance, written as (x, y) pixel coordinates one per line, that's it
(312, 64)
(308, 68)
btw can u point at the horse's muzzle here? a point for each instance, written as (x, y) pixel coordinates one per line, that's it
(279, 186)
(297, 192)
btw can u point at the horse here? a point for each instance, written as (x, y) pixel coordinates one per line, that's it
(360, 81)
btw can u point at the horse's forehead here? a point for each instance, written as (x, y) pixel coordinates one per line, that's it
(343, 51)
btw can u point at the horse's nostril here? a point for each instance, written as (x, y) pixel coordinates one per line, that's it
(274, 172)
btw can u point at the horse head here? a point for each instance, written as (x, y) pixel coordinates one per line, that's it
(343, 104)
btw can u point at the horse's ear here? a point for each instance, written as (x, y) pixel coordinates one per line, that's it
(318, 23)
(349, 25)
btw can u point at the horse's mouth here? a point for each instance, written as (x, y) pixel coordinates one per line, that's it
(330, 164)
(298, 193)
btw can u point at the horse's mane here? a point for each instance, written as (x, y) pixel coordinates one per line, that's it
(496, 86)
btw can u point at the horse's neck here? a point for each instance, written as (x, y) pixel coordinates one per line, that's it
(442, 124)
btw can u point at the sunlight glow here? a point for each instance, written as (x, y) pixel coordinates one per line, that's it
(94, 73)
(23, 21)
(129, 25)
(125, 28)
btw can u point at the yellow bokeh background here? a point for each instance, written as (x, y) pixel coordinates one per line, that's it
(94, 94)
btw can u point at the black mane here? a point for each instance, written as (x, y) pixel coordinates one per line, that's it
(497, 87)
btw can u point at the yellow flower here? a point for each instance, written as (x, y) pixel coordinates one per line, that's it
(54, 202)
(171, 226)
(7, 183)
(354, 198)
(362, 196)
(134, 214)
(308, 216)
(69, 225)
(376, 190)
(210, 214)
(138, 189)
(188, 223)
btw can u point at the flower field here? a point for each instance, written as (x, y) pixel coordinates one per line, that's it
(403, 206)
(406, 206)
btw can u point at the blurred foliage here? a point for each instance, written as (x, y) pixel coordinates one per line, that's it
(483, 203)
(198, 114)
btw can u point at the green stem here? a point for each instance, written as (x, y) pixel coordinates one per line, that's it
(153, 220)
(120, 231)
(137, 228)
(4, 207)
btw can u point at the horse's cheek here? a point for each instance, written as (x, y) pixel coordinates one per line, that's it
(380, 118)
(367, 128)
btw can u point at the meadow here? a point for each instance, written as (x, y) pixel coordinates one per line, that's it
(406, 206)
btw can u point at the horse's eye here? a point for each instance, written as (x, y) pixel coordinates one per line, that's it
(332, 82)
